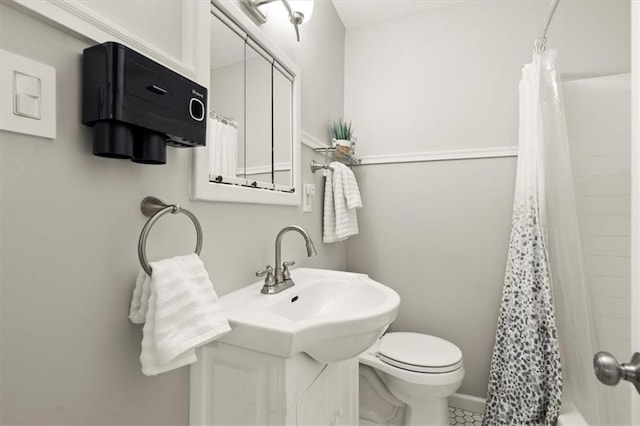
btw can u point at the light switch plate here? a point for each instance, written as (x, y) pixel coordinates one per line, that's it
(27, 96)
(308, 189)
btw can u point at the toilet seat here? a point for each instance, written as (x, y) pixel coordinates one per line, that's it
(419, 353)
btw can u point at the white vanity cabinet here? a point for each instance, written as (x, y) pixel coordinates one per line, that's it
(261, 374)
(231, 385)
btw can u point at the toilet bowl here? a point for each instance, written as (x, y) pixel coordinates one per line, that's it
(414, 369)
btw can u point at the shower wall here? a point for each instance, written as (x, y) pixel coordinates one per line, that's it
(599, 126)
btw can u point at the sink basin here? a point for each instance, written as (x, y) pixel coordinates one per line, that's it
(329, 315)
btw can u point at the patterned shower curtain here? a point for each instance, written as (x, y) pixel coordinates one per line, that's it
(525, 381)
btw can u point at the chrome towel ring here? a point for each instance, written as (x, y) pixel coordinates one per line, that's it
(154, 208)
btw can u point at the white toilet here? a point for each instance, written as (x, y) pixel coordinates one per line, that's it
(413, 371)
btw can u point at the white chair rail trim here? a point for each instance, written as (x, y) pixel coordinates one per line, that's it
(445, 155)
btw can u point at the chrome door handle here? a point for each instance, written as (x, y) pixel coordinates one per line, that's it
(609, 371)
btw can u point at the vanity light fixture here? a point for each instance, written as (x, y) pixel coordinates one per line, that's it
(299, 11)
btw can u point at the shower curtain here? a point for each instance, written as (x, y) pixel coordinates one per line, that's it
(544, 263)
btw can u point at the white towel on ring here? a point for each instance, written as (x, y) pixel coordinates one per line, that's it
(341, 199)
(180, 311)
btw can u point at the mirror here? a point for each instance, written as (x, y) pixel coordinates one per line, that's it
(258, 141)
(225, 128)
(282, 128)
(253, 141)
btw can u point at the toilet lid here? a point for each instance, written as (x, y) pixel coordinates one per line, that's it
(418, 352)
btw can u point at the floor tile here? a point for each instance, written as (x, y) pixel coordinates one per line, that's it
(460, 417)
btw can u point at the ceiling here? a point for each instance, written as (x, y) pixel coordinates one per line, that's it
(354, 13)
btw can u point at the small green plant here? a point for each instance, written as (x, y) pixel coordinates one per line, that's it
(341, 129)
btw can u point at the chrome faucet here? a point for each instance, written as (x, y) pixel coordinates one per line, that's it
(280, 279)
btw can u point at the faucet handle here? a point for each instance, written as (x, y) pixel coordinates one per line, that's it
(268, 271)
(286, 275)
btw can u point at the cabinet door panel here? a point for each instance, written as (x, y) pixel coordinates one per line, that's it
(313, 407)
(226, 128)
(258, 113)
(282, 128)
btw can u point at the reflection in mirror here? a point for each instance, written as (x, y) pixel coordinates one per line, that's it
(258, 161)
(251, 133)
(282, 129)
(226, 125)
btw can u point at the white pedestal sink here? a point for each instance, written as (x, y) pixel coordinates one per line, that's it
(330, 315)
(290, 358)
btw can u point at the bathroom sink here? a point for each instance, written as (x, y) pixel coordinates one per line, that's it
(329, 315)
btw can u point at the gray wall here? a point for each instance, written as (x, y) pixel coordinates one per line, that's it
(448, 79)
(437, 233)
(69, 227)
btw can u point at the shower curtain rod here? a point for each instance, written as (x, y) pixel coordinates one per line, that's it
(540, 43)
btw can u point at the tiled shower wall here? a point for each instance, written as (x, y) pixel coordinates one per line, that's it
(599, 126)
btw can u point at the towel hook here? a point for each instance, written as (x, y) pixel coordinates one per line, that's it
(154, 208)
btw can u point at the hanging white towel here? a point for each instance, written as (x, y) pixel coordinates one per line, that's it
(223, 148)
(341, 199)
(180, 312)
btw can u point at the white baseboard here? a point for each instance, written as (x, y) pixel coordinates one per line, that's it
(467, 402)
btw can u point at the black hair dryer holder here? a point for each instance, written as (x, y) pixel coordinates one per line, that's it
(137, 107)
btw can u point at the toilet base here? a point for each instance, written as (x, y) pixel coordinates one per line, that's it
(420, 398)
(434, 412)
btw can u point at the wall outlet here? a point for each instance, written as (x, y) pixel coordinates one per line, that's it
(308, 189)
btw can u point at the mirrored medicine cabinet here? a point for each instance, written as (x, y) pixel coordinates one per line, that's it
(252, 152)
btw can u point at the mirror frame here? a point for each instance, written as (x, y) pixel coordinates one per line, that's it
(201, 188)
